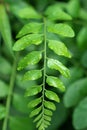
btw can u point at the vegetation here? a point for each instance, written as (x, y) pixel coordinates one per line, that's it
(43, 62)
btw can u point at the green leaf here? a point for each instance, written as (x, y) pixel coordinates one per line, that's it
(2, 111)
(3, 89)
(38, 118)
(50, 105)
(35, 102)
(20, 103)
(30, 59)
(80, 115)
(33, 90)
(32, 27)
(55, 82)
(28, 13)
(61, 29)
(52, 96)
(48, 112)
(48, 118)
(27, 40)
(32, 75)
(47, 122)
(73, 8)
(76, 91)
(55, 13)
(55, 64)
(41, 127)
(5, 28)
(23, 10)
(39, 123)
(59, 48)
(35, 112)
(16, 6)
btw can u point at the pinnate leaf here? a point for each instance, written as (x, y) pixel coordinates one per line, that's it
(30, 59)
(55, 64)
(61, 29)
(48, 118)
(35, 102)
(55, 82)
(50, 105)
(55, 13)
(30, 28)
(32, 75)
(48, 112)
(38, 118)
(47, 122)
(33, 90)
(39, 123)
(35, 112)
(52, 95)
(59, 48)
(28, 13)
(27, 40)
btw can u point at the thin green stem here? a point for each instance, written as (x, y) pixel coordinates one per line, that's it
(11, 86)
(44, 70)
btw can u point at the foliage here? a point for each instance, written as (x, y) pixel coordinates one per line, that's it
(34, 80)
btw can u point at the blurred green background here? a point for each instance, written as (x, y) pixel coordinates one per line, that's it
(71, 113)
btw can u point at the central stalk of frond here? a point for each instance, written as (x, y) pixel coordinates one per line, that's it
(44, 71)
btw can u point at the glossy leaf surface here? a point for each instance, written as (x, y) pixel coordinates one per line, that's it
(55, 82)
(33, 27)
(52, 96)
(55, 64)
(27, 40)
(32, 75)
(50, 105)
(33, 90)
(61, 29)
(35, 112)
(59, 48)
(34, 103)
(30, 59)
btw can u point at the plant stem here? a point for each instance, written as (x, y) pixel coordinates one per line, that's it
(11, 86)
(44, 71)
